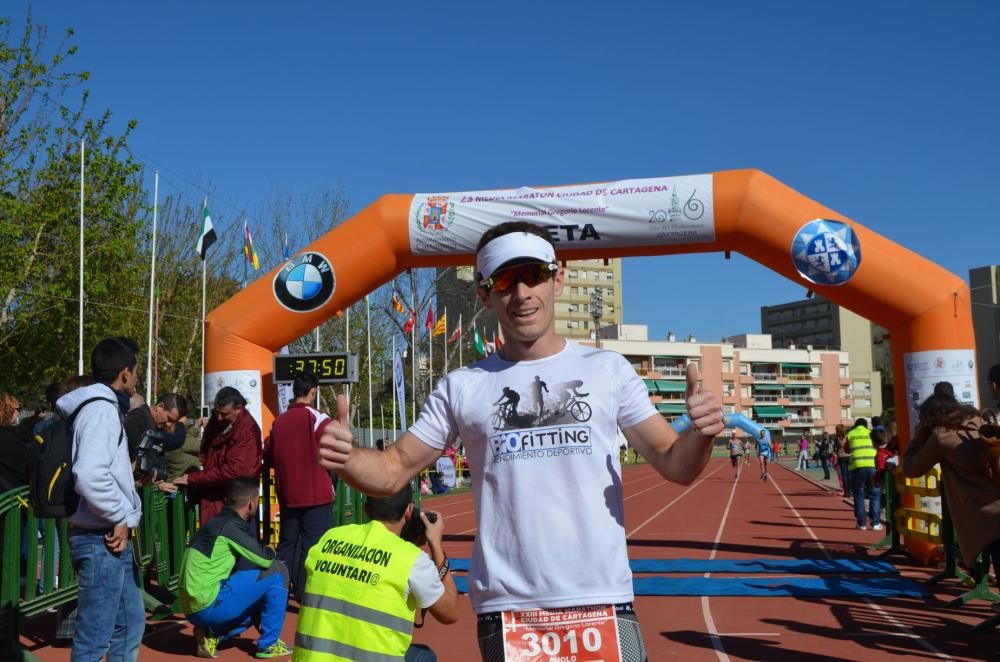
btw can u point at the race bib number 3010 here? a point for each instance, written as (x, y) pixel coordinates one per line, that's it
(575, 634)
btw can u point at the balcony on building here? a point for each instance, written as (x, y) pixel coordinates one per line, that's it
(666, 389)
(763, 393)
(798, 395)
(769, 416)
(764, 372)
(671, 410)
(797, 372)
(671, 367)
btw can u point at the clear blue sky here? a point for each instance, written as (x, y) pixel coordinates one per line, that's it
(886, 112)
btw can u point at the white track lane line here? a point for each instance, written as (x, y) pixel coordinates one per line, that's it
(706, 610)
(676, 499)
(903, 629)
(660, 483)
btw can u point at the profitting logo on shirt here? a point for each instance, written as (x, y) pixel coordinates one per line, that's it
(541, 442)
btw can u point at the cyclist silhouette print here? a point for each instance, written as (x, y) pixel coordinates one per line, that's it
(565, 403)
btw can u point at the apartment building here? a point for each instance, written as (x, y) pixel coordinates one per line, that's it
(574, 314)
(788, 391)
(821, 324)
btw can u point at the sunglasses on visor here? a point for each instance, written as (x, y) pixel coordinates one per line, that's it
(529, 274)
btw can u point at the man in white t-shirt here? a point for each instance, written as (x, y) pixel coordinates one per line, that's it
(546, 482)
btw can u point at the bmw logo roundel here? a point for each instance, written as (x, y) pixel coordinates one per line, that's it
(305, 283)
(826, 252)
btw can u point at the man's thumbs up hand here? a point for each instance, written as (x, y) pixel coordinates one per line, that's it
(337, 441)
(702, 406)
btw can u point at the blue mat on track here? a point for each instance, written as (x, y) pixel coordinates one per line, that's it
(750, 566)
(796, 587)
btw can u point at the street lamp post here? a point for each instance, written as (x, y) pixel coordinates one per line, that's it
(596, 312)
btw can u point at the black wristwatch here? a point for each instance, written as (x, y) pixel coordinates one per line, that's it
(445, 567)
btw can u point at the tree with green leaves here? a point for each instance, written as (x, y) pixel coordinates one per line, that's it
(40, 139)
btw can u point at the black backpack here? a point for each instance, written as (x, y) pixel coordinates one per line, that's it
(50, 481)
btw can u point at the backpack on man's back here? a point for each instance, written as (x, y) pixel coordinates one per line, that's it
(51, 491)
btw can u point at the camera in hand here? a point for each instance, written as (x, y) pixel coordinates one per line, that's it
(150, 462)
(415, 531)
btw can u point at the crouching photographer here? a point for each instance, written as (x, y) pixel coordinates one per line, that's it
(365, 583)
(151, 432)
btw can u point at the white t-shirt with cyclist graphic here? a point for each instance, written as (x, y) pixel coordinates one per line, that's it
(542, 445)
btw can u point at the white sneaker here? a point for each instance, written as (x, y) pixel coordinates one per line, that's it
(877, 527)
(862, 527)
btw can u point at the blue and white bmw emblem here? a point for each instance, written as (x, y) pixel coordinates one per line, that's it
(826, 252)
(305, 283)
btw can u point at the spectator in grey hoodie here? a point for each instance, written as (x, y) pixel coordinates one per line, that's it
(110, 616)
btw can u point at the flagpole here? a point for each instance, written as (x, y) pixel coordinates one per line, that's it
(316, 349)
(246, 253)
(446, 340)
(152, 292)
(80, 362)
(460, 333)
(347, 349)
(413, 353)
(394, 428)
(204, 294)
(371, 408)
(156, 345)
(430, 360)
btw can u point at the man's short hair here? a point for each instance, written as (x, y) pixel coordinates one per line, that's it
(304, 382)
(861, 423)
(514, 226)
(390, 508)
(52, 393)
(229, 396)
(240, 490)
(174, 401)
(111, 356)
(994, 375)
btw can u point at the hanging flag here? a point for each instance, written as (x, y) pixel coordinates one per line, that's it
(477, 342)
(397, 304)
(441, 326)
(248, 249)
(207, 236)
(285, 253)
(408, 327)
(429, 322)
(457, 333)
(498, 342)
(490, 347)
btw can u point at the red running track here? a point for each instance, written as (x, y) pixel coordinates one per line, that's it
(717, 516)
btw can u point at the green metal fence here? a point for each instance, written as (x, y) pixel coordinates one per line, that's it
(37, 573)
(33, 576)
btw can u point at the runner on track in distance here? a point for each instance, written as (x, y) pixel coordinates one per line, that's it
(764, 452)
(735, 451)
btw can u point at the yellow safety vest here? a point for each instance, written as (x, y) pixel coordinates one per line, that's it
(354, 608)
(862, 449)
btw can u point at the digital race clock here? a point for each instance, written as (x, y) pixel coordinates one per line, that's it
(335, 368)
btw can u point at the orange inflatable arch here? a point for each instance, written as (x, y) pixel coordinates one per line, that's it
(925, 307)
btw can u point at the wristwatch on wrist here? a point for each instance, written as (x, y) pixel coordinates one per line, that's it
(445, 567)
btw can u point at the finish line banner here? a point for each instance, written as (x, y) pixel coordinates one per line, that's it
(632, 212)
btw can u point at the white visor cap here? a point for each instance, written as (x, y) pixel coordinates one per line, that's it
(509, 247)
